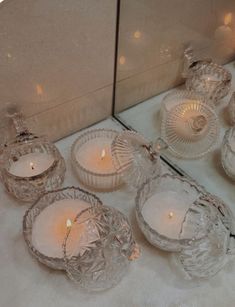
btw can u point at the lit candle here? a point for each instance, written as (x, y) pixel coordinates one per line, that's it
(225, 32)
(165, 213)
(51, 226)
(96, 156)
(31, 164)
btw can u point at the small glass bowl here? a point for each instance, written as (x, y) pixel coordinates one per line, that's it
(99, 140)
(70, 193)
(190, 128)
(29, 188)
(228, 153)
(105, 251)
(188, 192)
(210, 80)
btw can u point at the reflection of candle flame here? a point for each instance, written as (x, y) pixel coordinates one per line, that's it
(68, 223)
(122, 60)
(32, 165)
(228, 19)
(137, 34)
(39, 90)
(103, 153)
(170, 215)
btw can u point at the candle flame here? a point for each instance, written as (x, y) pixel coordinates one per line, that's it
(103, 153)
(170, 215)
(39, 89)
(68, 223)
(228, 19)
(32, 165)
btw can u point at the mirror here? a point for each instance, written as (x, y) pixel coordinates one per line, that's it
(152, 38)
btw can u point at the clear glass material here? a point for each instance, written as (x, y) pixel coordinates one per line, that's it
(231, 110)
(209, 79)
(135, 158)
(29, 188)
(228, 153)
(189, 193)
(205, 237)
(43, 202)
(206, 255)
(103, 262)
(190, 127)
(95, 180)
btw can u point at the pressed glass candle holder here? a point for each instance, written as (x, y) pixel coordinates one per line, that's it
(207, 254)
(209, 79)
(135, 158)
(92, 160)
(46, 223)
(161, 206)
(103, 262)
(190, 128)
(228, 153)
(30, 165)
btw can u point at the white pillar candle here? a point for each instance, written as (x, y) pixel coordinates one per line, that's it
(165, 213)
(96, 157)
(31, 164)
(51, 226)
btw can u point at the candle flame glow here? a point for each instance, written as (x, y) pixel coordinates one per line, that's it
(228, 19)
(103, 153)
(137, 34)
(122, 60)
(32, 165)
(170, 215)
(68, 223)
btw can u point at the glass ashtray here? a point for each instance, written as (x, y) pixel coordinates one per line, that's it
(136, 159)
(30, 165)
(209, 79)
(92, 160)
(103, 250)
(228, 153)
(190, 129)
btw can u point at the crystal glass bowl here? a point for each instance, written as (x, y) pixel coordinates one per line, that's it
(163, 198)
(92, 160)
(24, 149)
(209, 79)
(228, 153)
(206, 255)
(106, 248)
(54, 198)
(135, 159)
(190, 128)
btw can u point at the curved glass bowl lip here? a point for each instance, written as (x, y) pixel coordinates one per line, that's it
(138, 210)
(226, 141)
(41, 257)
(213, 145)
(225, 77)
(55, 153)
(73, 154)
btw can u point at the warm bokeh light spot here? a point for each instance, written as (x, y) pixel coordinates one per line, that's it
(122, 60)
(137, 34)
(228, 19)
(39, 89)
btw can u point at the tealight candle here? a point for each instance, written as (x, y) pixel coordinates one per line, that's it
(92, 159)
(165, 213)
(31, 164)
(51, 225)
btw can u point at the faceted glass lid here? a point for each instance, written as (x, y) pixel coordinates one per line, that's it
(135, 158)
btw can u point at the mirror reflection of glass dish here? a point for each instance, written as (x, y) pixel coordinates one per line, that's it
(190, 129)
